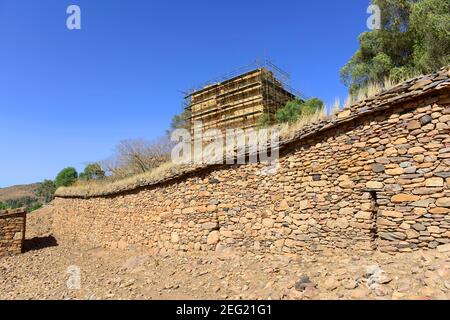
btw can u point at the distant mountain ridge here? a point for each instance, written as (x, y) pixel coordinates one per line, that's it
(19, 191)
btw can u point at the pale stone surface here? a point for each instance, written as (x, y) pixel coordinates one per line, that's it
(268, 222)
(412, 234)
(393, 214)
(434, 182)
(364, 215)
(443, 202)
(395, 171)
(342, 223)
(404, 198)
(209, 225)
(344, 114)
(284, 205)
(374, 185)
(444, 248)
(416, 150)
(174, 237)
(213, 237)
(413, 125)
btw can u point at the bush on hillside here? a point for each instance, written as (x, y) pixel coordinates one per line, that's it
(296, 109)
(29, 203)
(264, 121)
(137, 156)
(92, 171)
(180, 121)
(3, 206)
(46, 190)
(66, 177)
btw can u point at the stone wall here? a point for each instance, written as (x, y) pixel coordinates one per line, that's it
(12, 231)
(377, 176)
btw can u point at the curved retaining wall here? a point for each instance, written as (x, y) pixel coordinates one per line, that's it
(379, 179)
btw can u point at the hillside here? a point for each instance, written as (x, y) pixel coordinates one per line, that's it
(19, 191)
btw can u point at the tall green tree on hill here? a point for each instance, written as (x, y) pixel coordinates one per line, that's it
(180, 121)
(66, 177)
(414, 38)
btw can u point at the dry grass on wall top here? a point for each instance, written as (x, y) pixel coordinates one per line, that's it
(166, 170)
(364, 98)
(106, 186)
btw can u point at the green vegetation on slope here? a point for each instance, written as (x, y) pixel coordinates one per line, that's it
(66, 177)
(30, 203)
(413, 39)
(293, 111)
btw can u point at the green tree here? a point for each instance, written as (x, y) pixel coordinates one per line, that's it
(21, 202)
(66, 177)
(3, 206)
(180, 121)
(296, 109)
(46, 190)
(34, 206)
(311, 106)
(413, 39)
(92, 171)
(30, 203)
(290, 112)
(264, 121)
(430, 24)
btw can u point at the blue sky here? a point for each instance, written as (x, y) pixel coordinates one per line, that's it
(68, 97)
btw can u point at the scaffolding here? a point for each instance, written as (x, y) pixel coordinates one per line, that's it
(239, 99)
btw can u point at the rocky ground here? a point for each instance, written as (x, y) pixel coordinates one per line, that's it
(44, 270)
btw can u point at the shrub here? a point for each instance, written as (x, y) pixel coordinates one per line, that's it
(264, 121)
(413, 39)
(311, 106)
(34, 207)
(295, 109)
(93, 171)
(46, 190)
(138, 156)
(66, 177)
(180, 121)
(290, 112)
(20, 202)
(29, 203)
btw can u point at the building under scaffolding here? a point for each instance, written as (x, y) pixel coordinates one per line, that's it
(240, 99)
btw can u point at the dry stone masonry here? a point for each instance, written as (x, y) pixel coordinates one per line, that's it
(376, 176)
(12, 231)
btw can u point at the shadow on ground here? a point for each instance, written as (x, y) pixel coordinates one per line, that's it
(39, 243)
